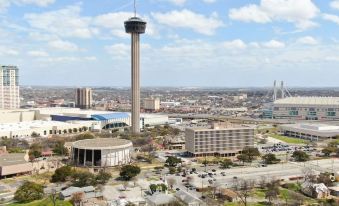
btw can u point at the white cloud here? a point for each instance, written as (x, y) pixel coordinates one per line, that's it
(308, 40)
(63, 45)
(37, 53)
(41, 3)
(114, 22)
(300, 12)
(4, 4)
(118, 50)
(65, 22)
(274, 44)
(335, 4)
(331, 17)
(209, 1)
(178, 2)
(7, 51)
(235, 44)
(188, 19)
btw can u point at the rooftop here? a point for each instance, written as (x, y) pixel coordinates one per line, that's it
(101, 143)
(309, 100)
(12, 159)
(7, 127)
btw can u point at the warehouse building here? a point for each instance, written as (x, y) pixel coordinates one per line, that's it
(102, 152)
(307, 108)
(313, 132)
(220, 140)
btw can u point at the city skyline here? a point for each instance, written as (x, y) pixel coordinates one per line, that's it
(208, 42)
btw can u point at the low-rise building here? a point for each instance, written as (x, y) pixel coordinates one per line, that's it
(152, 104)
(220, 140)
(14, 164)
(311, 131)
(160, 199)
(318, 191)
(188, 199)
(88, 192)
(228, 194)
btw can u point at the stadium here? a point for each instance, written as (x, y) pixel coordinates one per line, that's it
(101, 152)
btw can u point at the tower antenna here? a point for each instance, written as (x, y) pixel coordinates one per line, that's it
(135, 9)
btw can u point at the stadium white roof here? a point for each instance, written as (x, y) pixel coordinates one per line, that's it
(309, 100)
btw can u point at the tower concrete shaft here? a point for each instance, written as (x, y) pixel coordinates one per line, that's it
(135, 67)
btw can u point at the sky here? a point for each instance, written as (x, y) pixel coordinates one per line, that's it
(214, 43)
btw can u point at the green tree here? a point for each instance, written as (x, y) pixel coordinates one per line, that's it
(163, 187)
(226, 163)
(300, 156)
(153, 188)
(35, 150)
(83, 178)
(251, 153)
(28, 192)
(270, 158)
(127, 172)
(172, 170)
(61, 174)
(172, 161)
(59, 148)
(86, 135)
(102, 177)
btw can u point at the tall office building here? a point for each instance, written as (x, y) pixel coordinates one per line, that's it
(83, 98)
(9, 87)
(135, 26)
(151, 104)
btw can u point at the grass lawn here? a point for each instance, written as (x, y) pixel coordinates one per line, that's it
(290, 140)
(44, 202)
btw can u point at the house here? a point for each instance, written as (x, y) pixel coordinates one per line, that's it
(315, 190)
(160, 199)
(89, 192)
(14, 164)
(188, 199)
(228, 194)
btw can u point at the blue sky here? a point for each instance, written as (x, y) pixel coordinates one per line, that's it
(230, 43)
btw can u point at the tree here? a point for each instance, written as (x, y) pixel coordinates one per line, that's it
(243, 190)
(153, 188)
(262, 182)
(83, 178)
(270, 158)
(28, 192)
(243, 158)
(129, 171)
(226, 163)
(61, 174)
(86, 135)
(171, 182)
(171, 170)
(102, 177)
(300, 156)
(59, 148)
(251, 153)
(272, 190)
(35, 150)
(53, 196)
(325, 178)
(77, 198)
(309, 175)
(172, 161)
(327, 151)
(163, 187)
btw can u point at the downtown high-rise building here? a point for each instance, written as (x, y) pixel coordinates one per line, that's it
(9, 87)
(83, 98)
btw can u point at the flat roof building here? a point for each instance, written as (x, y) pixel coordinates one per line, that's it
(151, 104)
(101, 152)
(220, 140)
(14, 164)
(313, 132)
(307, 108)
